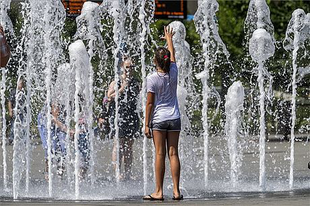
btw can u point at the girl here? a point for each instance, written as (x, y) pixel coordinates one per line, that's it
(58, 134)
(128, 117)
(163, 116)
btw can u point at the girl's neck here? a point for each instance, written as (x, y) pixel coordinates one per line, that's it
(160, 70)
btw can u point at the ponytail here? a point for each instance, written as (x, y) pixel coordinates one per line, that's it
(162, 57)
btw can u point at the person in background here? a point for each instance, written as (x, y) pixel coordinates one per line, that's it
(103, 127)
(58, 135)
(84, 147)
(5, 52)
(128, 123)
(162, 121)
(21, 110)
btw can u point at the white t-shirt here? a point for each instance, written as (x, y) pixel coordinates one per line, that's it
(164, 86)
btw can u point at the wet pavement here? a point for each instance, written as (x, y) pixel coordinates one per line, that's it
(220, 192)
(297, 198)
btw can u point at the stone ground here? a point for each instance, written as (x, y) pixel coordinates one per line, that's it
(285, 199)
(277, 162)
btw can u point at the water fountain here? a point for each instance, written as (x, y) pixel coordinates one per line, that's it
(185, 94)
(55, 73)
(6, 23)
(261, 48)
(63, 94)
(118, 30)
(79, 60)
(298, 31)
(212, 44)
(233, 108)
(3, 88)
(53, 15)
(145, 24)
(88, 28)
(258, 17)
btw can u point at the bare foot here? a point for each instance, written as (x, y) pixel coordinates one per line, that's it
(176, 194)
(157, 195)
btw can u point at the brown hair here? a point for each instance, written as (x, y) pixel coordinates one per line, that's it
(162, 58)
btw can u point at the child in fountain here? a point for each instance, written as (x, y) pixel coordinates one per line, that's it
(128, 118)
(58, 134)
(162, 121)
(84, 147)
(103, 128)
(21, 109)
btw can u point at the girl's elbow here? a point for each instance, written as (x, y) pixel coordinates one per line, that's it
(149, 106)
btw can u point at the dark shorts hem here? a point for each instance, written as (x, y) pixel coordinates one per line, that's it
(168, 125)
(165, 130)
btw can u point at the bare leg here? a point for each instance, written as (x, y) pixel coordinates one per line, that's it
(160, 152)
(128, 156)
(173, 154)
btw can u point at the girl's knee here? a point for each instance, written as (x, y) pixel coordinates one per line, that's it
(161, 153)
(173, 152)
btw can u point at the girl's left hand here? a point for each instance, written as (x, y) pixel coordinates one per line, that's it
(168, 33)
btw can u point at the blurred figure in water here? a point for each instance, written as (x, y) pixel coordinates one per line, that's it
(103, 127)
(128, 90)
(21, 109)
(58, 135)
(5, 52)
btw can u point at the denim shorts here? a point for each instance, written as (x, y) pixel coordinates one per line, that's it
(169, 125)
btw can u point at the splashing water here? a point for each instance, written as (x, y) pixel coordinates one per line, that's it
(52, 13)
(185, 91)
(89, 29)
(212, 44)
(4, 161)
(5, 20)
(54, 16)
(259, 29)
(79, 60)
(6, 23)
(258, 17)
(143, 38)
(63, 94)
(117, 13)
(261, 48)
(49, 79)
(233, 108)
(298, 31)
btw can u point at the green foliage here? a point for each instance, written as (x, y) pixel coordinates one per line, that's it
(231, 16)
(16, 17)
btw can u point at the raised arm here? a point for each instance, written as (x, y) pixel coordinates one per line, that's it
(10, 109)
(168, 36)
(111, 91)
